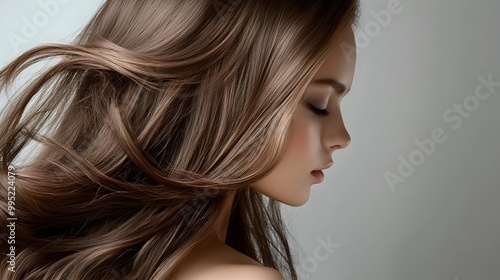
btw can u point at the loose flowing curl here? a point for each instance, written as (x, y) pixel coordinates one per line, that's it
(155, 115)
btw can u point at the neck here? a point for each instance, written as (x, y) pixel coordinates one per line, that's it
(222, 223)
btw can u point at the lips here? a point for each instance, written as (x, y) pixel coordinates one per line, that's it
(325, 166)
(318, 175)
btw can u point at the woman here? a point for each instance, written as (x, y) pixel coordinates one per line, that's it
(180, 127)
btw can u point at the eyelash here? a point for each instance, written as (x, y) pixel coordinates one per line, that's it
(318, 112)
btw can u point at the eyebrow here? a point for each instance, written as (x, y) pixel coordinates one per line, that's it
(336, 85)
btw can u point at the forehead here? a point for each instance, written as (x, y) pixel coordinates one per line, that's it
(340, 62)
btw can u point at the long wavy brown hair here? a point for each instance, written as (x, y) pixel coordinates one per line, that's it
(146, 124)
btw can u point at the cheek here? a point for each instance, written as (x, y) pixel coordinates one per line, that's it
(301, 154)
(289, 182)
(304, 135)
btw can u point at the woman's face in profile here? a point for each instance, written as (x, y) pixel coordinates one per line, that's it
(314, 137)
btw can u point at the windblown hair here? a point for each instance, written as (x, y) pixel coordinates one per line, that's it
(156, 114)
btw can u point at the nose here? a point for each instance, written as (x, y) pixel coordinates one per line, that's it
(338, 136)
(342, 140)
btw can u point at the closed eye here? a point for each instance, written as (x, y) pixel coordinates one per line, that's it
(318, 112)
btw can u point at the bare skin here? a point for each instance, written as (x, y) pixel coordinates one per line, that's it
(216, 260)
(313, 140)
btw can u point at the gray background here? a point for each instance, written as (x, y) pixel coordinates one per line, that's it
(442, 222)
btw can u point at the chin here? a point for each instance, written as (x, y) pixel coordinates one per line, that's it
(294, 201)
(297, 203)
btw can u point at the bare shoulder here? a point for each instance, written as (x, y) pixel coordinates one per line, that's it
(240, 272)
(221, 262)
(254, 273)
(250, 273)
